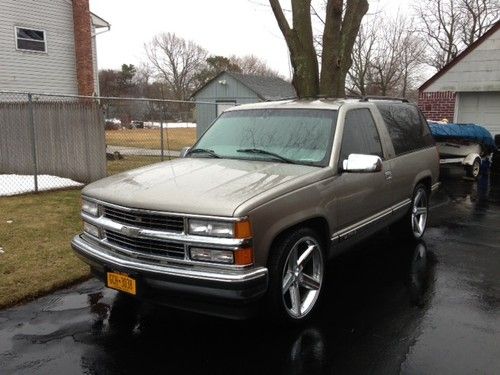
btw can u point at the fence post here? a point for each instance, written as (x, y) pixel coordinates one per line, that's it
(31, 120)
(162, 158)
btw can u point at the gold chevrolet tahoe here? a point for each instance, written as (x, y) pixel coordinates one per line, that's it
(246, 219)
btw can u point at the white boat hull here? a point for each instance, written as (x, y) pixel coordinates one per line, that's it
(456, 150)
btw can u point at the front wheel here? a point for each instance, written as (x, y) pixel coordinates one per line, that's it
(296, 273)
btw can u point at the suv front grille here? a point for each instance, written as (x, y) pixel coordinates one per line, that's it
(146, 246)
(145, 220)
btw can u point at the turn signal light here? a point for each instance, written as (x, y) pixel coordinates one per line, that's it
(243, 257)
(243, 229)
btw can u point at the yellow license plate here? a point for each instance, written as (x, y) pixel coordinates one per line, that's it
(122, 283)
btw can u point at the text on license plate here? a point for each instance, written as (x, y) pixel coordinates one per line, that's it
(121, 282)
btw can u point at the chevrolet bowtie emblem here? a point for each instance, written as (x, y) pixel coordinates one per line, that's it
(130, 232)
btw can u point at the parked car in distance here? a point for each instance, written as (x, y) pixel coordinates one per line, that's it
(252, 212)
(137, 124)
(112, 124)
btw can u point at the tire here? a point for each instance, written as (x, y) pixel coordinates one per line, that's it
(473, 170)
(413, 225)
(295, 280)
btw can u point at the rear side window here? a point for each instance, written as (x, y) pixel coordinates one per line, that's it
(407, 127)
(360, 135)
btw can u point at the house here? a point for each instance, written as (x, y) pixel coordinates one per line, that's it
(49, 46)
(229, 89)
(467, 89)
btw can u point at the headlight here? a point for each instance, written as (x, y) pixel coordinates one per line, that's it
(211, 228)
(91, 229)
(240, 229)
(90, 208)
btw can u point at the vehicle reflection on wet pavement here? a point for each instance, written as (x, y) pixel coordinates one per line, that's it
(389, 307)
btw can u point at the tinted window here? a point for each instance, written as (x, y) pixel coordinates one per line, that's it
(301, 135)
(360, 135)
(407, 127)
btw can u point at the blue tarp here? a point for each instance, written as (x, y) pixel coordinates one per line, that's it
(468, 132)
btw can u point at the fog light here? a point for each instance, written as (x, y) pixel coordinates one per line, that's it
(213, 256)
(91, 229)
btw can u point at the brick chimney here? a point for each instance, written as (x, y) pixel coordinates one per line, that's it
(83, 47)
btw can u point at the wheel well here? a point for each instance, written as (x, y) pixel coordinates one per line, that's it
(427, 181)
(319, 224)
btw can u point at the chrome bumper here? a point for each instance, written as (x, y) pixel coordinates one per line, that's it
(94, 253)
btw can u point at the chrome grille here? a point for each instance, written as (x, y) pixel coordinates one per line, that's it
(146, 246)
(145, 220)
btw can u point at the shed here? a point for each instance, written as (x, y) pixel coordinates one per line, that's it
(467, 89)
(228, 89)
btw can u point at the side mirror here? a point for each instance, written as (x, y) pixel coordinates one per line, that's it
(184, 152)
(358, 163)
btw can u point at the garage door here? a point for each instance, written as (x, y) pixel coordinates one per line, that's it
(481, 108)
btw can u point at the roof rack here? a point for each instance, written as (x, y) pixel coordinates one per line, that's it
(371, 97)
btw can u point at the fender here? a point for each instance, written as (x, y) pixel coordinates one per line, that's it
(469, 159)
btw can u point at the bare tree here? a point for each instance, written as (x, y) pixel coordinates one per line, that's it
(251, 64)
(477, 17)
(342, 20)
(176, 62)
(387, 58)
(360, 74)
(451, 25)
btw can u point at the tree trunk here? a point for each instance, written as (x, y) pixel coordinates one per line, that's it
(300, 44)
(338, 41)
(339, 36)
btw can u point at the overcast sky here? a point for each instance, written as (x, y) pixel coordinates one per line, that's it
(223, 27)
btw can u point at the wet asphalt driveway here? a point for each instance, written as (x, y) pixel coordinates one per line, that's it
(426, 308)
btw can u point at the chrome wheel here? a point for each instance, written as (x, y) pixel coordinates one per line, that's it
(419, 213)
(302, 277)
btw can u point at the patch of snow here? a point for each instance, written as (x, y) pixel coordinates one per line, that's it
(13, 184)
(170, 125)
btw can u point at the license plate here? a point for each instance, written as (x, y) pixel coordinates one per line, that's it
(122, 283)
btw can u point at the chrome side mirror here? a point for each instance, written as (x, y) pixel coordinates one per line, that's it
(359, 163)
(184, 152)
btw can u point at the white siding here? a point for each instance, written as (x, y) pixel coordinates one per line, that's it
(478, 71)
(52, 72)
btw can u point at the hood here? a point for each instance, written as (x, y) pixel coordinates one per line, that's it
(195, 185)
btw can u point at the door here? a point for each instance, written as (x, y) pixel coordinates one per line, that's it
(222, 106)
(362, 196)
(482, 108)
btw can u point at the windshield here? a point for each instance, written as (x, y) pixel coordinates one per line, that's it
(302, 136)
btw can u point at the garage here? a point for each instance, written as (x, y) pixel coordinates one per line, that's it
(467, 89)
(479, 107)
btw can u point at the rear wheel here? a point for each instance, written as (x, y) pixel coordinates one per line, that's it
(414, 223)
(296, 273)
(474, 169)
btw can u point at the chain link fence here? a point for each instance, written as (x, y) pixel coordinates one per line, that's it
(54, 141)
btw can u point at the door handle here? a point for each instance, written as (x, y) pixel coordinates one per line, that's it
(388, 175)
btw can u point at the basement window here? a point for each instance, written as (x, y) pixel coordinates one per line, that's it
(30, 40)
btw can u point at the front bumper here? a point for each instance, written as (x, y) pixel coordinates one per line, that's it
(196, 288)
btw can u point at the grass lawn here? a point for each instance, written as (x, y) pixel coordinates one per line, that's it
(150, 138)
(35, 234)
(131, 162)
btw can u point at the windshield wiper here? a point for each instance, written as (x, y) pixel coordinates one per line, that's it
(203, 151)
(264, 152)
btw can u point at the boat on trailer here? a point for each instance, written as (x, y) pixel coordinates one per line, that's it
(463, 144)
